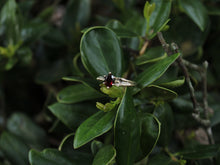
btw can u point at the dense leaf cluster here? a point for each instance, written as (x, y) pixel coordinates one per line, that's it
(53, 110)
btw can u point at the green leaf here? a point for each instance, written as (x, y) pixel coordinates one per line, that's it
(52, 72)
(164, 114)
(33, 31)
(196, 11)
(96, 146)
(80, 156)
(15, 150)
(77, 93)
(150, 132)
(94, 126)
(100, 52)
(72, 115)
(127, 131)
(161, 159)
(200, 152)
(9, 23)
(157, 93)
(22, 126)
(151, 55)
(85, 81)
(155, 71)
(105, 155)
(120, 29)
(173, 84)
(50, 157)
(215, 119)
(77, 14)
(159, 16)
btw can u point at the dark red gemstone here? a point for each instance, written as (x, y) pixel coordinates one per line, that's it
(109, 80)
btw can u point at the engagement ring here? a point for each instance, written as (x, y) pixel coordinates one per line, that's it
(111, 80)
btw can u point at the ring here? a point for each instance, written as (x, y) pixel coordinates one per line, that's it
(111, 80)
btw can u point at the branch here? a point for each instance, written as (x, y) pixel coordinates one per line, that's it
(182, 64)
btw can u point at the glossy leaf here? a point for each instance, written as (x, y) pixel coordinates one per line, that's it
(100, 52)
(50, 157)
(164, 114)
(22, 126)
(156, 70)
(77, 93)
(127, 131)
(150, 132)
(196, 11)
(72, 115)
(120, 29)
(105, 155)
(151, 55)
(158, 93)
(200, 152)
(94, 126)
(11, 144)
(159, 16)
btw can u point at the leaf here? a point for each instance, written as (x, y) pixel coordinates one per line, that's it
(80, 156)
(155, 71)
(77, 93)
(94, 126)
(96, 146)
(9, 23)
(85, 81)
(127, 131)
(150, 132)
(100, 52)
(161, 159)
(72, 115)
(164, 114)
(33, 31)
(105, 155)
(151, 55)
(50, 157)
(120, 29)
(157, 93)
(22, 126)
(77, 14)
(196, 11)
(10, 144)
(173, 84)
(215, 119)
(160, 16)
(200, 152)
(52, 72)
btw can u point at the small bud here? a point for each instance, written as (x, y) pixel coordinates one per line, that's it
(148, 9)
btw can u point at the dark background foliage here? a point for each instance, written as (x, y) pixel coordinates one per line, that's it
(51, 109)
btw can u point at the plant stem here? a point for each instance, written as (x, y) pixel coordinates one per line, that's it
(203, 72)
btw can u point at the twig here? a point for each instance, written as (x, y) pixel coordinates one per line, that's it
(203, 71)
(188, 81)
(144, 47)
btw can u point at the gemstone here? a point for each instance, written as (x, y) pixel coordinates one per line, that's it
(109, 80)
